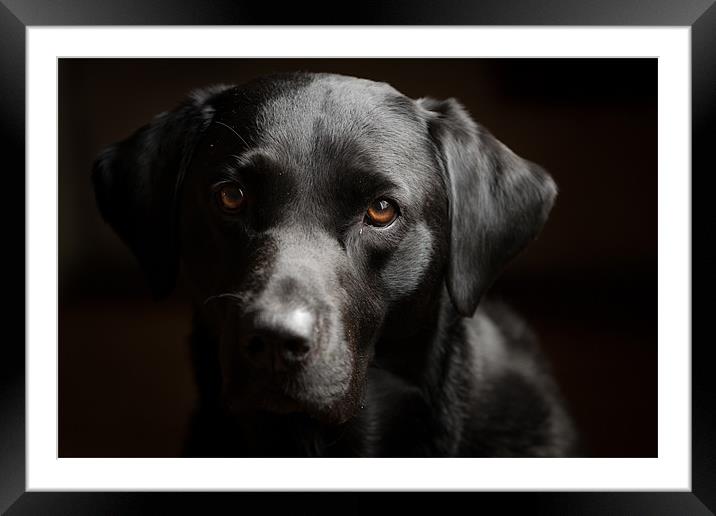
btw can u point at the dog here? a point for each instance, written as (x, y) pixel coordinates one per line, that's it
(337, 239)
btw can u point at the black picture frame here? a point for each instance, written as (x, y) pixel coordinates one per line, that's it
(16, 15)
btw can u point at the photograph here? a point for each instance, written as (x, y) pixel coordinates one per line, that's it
(357, 257)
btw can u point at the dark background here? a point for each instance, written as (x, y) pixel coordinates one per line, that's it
(588, 285)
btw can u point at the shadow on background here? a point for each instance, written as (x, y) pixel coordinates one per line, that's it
(588, 284)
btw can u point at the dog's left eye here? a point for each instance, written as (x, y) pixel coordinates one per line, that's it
(230, 197)
(381, 213)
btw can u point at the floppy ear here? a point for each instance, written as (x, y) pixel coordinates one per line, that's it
(498, 201)
(137, 182)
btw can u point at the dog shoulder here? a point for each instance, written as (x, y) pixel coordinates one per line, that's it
(514, 389)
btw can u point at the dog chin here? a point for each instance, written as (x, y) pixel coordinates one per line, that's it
(279, 403)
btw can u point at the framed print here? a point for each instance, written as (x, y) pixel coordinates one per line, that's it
(107, 394)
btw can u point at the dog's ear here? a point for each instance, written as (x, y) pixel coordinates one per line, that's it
(498, 201)
(137, 183)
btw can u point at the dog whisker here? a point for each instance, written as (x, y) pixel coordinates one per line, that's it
(226, 295)
(233, 131)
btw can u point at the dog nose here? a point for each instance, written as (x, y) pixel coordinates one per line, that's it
(280, 341)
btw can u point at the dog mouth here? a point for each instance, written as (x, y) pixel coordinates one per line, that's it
(276, 402)
(321, 397)
(269, 394)
(277, 394)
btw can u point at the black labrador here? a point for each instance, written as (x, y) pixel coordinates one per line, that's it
(337, 238)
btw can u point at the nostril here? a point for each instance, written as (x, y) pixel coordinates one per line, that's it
(297, 347)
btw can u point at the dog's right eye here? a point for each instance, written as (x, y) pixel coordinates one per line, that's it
(230, 197)
(381, 213)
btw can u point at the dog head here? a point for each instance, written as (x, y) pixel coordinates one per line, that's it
(304, 210)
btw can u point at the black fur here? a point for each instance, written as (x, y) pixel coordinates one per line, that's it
(395, 358)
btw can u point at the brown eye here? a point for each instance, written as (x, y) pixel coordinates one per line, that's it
(230, 198)
(381, 213)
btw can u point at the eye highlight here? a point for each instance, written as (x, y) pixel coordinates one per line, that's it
(230, 197)
(381, 213)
